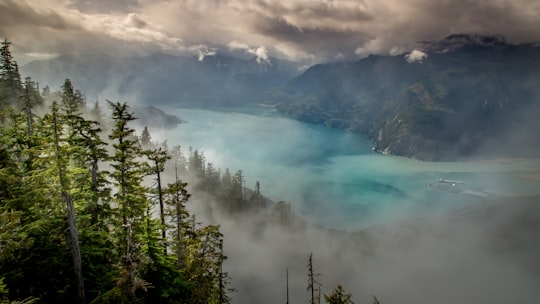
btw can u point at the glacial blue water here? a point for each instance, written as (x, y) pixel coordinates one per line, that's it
(332, 177)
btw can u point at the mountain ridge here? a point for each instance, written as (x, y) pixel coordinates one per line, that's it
(164, 78)
(480, 98)
(460, 97)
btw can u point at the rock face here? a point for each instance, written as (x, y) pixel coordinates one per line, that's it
(466, 96)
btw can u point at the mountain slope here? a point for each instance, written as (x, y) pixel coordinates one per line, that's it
(468, 95)
(159, 78)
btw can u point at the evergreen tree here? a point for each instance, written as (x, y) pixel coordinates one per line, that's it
(176, 198)
(10, 78)
(67, 201)
(158, 158)
(338, 296)
(179, 160)
(146, 139)
(196, 165)
(204, 265)
(30, 98)
(212, 179)
(312, 282)
(127, 175)
(72, 101)
(256, 199)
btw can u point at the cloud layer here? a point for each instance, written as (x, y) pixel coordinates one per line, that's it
(309, 30)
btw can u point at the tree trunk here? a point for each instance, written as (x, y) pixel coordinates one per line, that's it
(75, 248)
(161, 209)
(68, 205)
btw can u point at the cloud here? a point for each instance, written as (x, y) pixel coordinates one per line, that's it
(415, 55)
(339, 57)
(261, 53)
(396, 51)
(203, 51)
(374, 46)
(301, 30)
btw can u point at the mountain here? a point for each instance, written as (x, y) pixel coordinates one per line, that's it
(461, 97)
(161, 78)
(464, 96)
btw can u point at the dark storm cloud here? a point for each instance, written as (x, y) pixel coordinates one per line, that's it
(105, 6)
(15, 13)
(328, 42)
(55, 27)
(313, 30)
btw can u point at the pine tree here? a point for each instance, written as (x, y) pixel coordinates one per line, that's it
(312, 283)
(158, 158)
(127, 175)
(176, 198)
(67, 202)
(72, 101)
(10, 78)
(338, 296)
(256, 199)
(30, 98)
(146, 139)
(204, 259)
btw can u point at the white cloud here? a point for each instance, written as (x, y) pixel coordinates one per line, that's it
(374, 46)
(261, 53)
(203, 51)
(415, 55)
(130, 29)
(301, 30)
(396, 51)
(339, 57)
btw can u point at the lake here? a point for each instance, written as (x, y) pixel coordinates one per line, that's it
(332, 177)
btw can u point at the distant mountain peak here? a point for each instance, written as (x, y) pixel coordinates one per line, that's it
(456, 42)
(475, 39)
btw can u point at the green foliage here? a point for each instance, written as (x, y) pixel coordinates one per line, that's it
(43, 171)
(60, 212)
(338, 296)
(10, 78)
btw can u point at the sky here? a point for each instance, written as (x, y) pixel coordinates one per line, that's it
(309, 31)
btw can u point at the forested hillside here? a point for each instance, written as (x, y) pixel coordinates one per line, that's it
(93, 212)
(87, 213)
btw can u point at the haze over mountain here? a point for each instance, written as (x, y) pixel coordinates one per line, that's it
(466, 95)
(461, 96)
(205, 80)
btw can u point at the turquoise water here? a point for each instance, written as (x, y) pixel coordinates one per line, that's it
(332, 177)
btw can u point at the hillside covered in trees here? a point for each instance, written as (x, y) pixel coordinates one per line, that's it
(86, 214)
(92, 212)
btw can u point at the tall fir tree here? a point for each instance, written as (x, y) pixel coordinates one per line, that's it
(10, 78)
(128, 172)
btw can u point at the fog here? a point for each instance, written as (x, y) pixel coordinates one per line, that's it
(330, 176)
(369, 220)
(486, 254)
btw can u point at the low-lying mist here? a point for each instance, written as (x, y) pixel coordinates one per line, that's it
(370, 221)
(484, 254)
(332, 177)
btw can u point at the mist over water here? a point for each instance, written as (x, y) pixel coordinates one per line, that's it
(404, 242)
(332, 177)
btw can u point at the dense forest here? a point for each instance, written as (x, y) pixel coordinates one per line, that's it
(92, 212)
